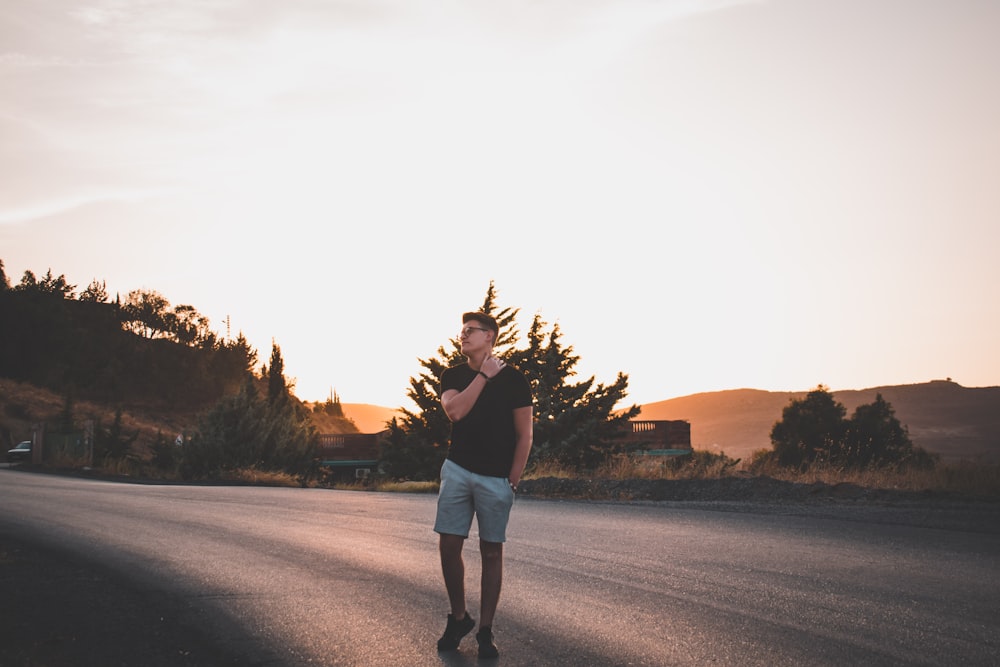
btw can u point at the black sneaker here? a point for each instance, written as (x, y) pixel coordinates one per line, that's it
(454, 632)
(487, 649)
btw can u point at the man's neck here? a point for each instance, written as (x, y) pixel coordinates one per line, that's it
(476, 360)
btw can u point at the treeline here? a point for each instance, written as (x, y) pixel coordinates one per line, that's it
(132, 351)
(815, 430)
(144, 351)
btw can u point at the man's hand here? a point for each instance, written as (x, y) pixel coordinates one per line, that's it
(491, 366)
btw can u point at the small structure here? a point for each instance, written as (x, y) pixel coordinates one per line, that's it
(665, 437)
(350, 455)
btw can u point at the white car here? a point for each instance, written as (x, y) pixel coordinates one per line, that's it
(21, 453)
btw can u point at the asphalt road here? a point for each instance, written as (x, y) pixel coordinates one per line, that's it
(317, 577)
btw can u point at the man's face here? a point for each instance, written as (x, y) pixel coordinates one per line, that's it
(474, 337)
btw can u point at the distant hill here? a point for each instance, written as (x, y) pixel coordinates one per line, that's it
(958, 423)
(369, 418)
(942, 417)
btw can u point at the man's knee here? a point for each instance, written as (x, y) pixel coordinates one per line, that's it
(490, 550)
(451, 545)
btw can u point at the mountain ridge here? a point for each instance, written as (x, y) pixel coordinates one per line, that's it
(943, 417)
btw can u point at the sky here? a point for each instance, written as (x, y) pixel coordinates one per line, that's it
(712, 195)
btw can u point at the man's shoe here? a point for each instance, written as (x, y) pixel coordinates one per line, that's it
(487, 649)
(454, 632)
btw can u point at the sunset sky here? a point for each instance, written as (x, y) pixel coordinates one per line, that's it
(703, 195)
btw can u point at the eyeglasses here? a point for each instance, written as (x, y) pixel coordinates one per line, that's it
(468, 330)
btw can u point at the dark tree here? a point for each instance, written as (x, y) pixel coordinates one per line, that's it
(814, 430)
(575, 423)
(876, 437)
(49, 284)
(277, 387)
(96, 292)
(811, 429)
(112, 442)
(247, 431)
(145, 314)
(418, 442)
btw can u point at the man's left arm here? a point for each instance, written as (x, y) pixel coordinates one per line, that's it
(523, 429)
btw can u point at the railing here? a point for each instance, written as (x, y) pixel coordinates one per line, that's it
(661, 433)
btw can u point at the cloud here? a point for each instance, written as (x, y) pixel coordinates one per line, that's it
(71, 202)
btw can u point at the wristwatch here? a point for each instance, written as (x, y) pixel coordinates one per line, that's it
(513, 486)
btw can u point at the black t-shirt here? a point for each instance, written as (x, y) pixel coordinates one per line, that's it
(483, 441)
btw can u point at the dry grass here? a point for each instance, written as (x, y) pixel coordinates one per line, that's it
(540, 469)
(975, 480)
(263, 477)
(700, 465)
(964, 478)
(22, 405)
(388, 486)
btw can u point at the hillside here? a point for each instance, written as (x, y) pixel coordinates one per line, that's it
(959, 423)
(942, 417)
(369, 418)
(23, 404)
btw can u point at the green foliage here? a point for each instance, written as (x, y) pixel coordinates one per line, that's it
(814, 430)
(331, 407)
(417, 443)
(810, 429)
(248, 431)
(49, 284)
(148, 314)
(112, 442)
(574, 422)
(166, 454)
(876, 437)
(97, 351)
(275, 376)
(408, 454)
(65, 421)
(96, 292)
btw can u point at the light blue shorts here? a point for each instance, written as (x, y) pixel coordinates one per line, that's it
(465, 493)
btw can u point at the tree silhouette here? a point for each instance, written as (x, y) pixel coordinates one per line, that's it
(810, 429)
(814, 430)
(575, 423)
(875, 436)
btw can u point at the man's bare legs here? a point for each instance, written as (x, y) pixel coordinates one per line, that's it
(453, 569)
(492, 578)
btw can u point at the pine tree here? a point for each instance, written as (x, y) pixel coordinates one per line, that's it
(418, 442)
(574, 423)
(276, 385)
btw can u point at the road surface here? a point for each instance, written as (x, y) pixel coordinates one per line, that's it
(319, 577)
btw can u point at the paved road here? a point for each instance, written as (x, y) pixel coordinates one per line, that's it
(319, 577)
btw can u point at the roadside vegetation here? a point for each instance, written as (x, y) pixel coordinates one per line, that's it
(149, 391)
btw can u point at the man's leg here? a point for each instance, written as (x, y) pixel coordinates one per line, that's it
(453, 569)
(492, 578)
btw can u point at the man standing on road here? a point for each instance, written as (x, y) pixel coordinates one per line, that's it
(490, 407)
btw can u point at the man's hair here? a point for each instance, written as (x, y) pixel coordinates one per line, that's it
(485, 320)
